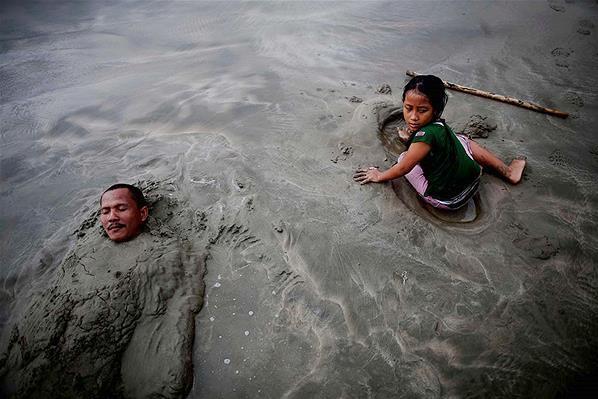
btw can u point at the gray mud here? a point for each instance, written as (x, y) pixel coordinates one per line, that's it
(241, 116)
(114, 320)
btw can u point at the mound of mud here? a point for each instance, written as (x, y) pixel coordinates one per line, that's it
(478, 126)
(116, 320)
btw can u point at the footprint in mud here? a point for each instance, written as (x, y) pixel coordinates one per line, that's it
(542, 248)
(575, 100)
(561, 56)
(585, 27)
(556, 158)
(556, 5)
(342, 154)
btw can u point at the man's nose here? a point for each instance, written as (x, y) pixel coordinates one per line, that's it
(113, 215)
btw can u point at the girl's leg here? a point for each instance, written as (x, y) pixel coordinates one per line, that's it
(512, 173)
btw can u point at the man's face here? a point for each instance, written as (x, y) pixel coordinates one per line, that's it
(121, 218)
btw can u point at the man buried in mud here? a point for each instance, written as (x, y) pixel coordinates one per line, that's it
(116, 317)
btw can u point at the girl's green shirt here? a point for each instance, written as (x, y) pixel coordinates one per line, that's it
(447, 167)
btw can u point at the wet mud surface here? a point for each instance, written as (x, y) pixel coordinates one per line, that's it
(266, 271)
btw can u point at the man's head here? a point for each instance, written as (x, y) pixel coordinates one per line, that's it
(123, 211)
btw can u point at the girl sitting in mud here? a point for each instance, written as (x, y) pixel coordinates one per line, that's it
(443, 167)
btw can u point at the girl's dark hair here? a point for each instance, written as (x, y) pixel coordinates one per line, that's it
(431, 87)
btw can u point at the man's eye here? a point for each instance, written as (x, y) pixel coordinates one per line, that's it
(122, 208)
(104, 211)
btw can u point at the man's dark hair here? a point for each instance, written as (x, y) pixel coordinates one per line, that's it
(135, 193)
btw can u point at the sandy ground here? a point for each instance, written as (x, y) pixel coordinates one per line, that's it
(254, 116)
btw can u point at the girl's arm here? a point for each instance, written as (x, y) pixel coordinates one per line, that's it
(416, 152)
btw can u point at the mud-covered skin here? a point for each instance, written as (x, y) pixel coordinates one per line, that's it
(117, 320)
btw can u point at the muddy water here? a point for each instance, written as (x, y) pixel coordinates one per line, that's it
(316, 286)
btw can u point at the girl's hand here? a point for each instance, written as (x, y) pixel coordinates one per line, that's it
(404, 134)
(369, 175)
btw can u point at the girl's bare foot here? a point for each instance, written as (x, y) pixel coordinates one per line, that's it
(516, 170)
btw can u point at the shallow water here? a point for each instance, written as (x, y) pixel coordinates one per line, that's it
(244, 108)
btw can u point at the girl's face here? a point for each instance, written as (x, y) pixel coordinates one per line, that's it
(417, 110)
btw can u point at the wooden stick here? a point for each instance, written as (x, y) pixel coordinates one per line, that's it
(498, 97)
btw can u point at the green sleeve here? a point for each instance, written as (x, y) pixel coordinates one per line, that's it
(425, 135)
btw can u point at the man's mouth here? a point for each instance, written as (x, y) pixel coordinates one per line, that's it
(115, 226)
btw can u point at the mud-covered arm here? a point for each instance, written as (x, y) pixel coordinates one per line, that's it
(416, 152)
(158, 359)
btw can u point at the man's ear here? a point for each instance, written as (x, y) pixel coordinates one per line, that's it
(144, 212)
